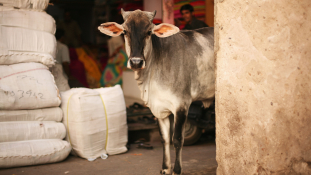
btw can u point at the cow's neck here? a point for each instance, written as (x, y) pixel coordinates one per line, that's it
(143, 77)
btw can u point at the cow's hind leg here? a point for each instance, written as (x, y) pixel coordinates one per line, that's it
(165, 133)
(178, 137)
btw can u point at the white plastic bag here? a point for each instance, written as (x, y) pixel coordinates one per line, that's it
(88, 115)
(27, 86)
(37, 5)
(46, 114)
(33, 152)
(31, 130)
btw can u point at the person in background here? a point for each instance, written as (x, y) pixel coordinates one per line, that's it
(72, 37)
(192, 23)
(62, 52)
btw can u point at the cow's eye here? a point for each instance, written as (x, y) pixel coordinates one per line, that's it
(124, 32)
(149, 33)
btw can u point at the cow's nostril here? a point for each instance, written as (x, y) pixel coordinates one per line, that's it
(131, 62)
(140, 63)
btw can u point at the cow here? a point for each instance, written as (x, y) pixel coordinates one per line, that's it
(172, 68)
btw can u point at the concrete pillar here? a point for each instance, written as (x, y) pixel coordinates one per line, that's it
(154, 5)
(263, 86)
(168, 11)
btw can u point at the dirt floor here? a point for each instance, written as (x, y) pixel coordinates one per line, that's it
(199, 159)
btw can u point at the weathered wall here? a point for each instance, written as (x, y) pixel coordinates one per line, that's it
(263, 96)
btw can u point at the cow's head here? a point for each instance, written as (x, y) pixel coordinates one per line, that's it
(137, 29)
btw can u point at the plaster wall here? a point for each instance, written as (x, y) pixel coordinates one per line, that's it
(263, 86)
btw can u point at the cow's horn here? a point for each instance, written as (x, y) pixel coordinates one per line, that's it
(151, 15)
(124, 14)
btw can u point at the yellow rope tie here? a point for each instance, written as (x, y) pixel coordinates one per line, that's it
(106, 121)
(67, 119)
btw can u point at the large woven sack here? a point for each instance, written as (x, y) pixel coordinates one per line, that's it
(46, 114)
(25, 45)
(31, 130)
(27, 86)
(88, 116)
(60, 80)
(33, 152)
(14, 45)
(40, 21)
(36, 5)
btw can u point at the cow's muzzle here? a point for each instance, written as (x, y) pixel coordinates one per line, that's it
(136, 63)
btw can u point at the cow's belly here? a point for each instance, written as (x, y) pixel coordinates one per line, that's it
(159, 110)
(162, 101)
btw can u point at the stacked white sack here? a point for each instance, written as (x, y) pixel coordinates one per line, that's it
(46, 114)
(35, 139)
(33, 152)
(35, 5)
(26, 36)
(30, 129)
(27, 86)
(95, 121)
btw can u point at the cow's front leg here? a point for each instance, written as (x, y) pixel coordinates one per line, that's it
(178, 138)
(165, 134)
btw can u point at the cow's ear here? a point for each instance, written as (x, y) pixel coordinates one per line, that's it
(164, 30)
(111, 28)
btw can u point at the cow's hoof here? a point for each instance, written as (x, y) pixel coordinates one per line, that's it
(165, 171)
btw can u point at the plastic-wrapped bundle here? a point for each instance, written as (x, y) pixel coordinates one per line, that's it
(95, 121)
(33, 152)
